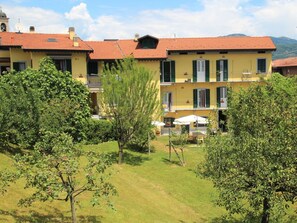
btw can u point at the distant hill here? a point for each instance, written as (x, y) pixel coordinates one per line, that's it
(285, 47)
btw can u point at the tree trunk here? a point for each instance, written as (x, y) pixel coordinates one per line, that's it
(121, 153)
(73, 213)
(266, 209)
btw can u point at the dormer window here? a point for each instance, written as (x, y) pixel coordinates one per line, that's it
(147, 42)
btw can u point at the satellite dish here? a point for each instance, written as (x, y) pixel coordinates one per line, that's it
(19, 26)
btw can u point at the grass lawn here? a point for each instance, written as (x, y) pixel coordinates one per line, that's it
(151, 189)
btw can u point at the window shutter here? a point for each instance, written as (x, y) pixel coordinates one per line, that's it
(218, 70)
(172, 66)
(68, 65)
(207, 70)
(16, 66)
(161, 70)
(194, 71)
(207, 98)
(218, 97)
(195, 99)
(225, 74)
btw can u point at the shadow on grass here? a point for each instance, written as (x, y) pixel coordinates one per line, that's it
(56, 216)
(249, 219)
(175, 162)
(141, 149)
(128, 158)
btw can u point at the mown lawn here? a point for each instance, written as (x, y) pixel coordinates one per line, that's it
(150, 189)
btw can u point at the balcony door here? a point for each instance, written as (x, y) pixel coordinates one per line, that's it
(200, 70)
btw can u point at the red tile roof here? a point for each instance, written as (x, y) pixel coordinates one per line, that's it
(287, 62)
(38, 41)
(117, 49)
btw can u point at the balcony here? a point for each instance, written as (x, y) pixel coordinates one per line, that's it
(94, 83)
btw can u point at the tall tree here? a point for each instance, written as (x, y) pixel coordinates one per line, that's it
(19, 114)
(254, 166)
(56, 170)
(56, 90)
(129, 99)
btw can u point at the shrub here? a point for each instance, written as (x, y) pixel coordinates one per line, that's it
(98, 131)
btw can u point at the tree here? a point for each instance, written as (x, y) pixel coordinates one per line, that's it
(19, 114)
(55, 170)
(254, 165)
(54, 89)
(129, 99)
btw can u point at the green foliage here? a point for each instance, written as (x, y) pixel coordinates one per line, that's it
(19, 114)
(255, 164)
(98, 131)
(59, 93)
(53, 167)
(130, 98)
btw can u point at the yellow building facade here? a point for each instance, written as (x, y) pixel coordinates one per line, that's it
(192, 73)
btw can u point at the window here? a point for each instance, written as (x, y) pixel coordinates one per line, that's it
(149, 43)
(167, 71)
(167, 101)
(63, 64)
(4, 69)
(93, 68)
(201, 98)
(261, 65)
(19, 66)
(169, 122)
(200, 70)
(222, 70)
(222, 97)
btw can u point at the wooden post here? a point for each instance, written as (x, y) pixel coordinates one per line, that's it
(170, 144)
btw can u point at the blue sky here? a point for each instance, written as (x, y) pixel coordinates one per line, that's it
(100, 19)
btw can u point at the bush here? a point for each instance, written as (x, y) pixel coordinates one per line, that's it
(98, 131)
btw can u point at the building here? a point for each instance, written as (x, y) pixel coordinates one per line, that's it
(286, 66)
(192, 73)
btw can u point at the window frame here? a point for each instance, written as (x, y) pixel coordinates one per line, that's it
(259, 71)
(18, 63)
(171, 71)
(206, 99)
(168, 101)
(90, 69)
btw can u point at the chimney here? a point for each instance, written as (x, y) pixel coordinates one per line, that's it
(32, 29)
(71, 32)
(75, 41)
(136, 37)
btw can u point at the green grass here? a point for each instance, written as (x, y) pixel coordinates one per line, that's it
(151, 189)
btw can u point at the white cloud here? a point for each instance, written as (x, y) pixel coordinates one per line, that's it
(79, 12)
(217, 17)
(43, 20)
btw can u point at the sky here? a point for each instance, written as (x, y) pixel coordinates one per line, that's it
(122, 19)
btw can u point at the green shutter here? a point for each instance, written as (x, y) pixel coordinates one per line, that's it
(225, 74)
(195, 99)
(172, 66)
(68, 65)
(207, 91)
(218, 97)
(218, 70)
(16, 66)
(207, 70)
(161, 71)
(194, 71)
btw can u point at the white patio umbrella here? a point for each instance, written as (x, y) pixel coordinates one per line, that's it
(180, 123)
(191, 118)
(158, 123)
